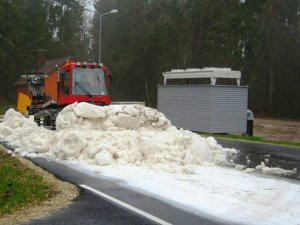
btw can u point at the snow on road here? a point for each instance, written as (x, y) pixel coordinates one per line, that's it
(139, 145)
(226, 193)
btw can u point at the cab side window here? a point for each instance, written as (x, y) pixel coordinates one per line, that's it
(66, 84)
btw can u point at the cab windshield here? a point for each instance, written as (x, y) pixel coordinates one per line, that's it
(88, 80)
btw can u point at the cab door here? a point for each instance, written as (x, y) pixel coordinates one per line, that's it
(64, 91)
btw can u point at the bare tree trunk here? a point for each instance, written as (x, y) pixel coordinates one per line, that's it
(269, 91)
(201, 28)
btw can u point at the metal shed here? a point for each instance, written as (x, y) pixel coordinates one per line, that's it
(207, 107)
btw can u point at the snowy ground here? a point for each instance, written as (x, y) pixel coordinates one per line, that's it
(229, 194)
(139, 146)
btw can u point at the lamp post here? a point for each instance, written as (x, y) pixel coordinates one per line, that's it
(100, 18)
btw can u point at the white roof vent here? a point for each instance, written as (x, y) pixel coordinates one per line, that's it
(207, 72)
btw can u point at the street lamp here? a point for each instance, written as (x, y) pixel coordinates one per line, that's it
(100, 18)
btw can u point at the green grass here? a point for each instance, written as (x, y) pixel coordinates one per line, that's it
(19, 185)
(252, 138)
(5, 106)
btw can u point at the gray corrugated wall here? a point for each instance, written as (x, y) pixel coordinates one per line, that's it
(228, 109)
(205, 108)
(184, 107)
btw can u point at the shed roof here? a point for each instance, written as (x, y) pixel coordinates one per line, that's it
(47, 69)
(51, 64)
(207, 72)
(21, 81)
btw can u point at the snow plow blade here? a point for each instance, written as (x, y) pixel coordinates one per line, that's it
(23, 102)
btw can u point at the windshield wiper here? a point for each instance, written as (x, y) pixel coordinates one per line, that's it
(84, 90)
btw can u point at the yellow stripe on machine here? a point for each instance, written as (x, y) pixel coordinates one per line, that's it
(23, 102)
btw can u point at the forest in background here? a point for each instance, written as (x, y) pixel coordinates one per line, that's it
(261, 38)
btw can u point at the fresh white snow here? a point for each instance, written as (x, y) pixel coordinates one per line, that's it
(226, 193)
(139, 146)
(116, 134)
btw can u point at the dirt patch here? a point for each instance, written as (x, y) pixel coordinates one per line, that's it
(65, 193)
(276, 129)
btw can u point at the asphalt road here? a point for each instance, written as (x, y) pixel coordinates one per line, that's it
(89, 208)
(134, 198)
(285, 157)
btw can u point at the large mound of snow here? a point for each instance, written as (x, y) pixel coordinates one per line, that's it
(116, 134)
(111, 118)
(130, 139)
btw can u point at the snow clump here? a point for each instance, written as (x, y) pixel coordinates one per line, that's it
(115, 134)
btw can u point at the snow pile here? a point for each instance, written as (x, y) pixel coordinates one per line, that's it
(130, 139)
(112, 118)
(24, 133)
(262, 168)
(116, 134)
(271, 171)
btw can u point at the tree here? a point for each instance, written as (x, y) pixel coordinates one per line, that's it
(66, 24)
(29, 25)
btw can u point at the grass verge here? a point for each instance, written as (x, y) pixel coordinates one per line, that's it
(20, 186)
(252, 138)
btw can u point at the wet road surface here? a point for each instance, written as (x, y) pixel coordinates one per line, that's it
(91, 209)
(253, 153)
(88, 209)
(137, 199)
